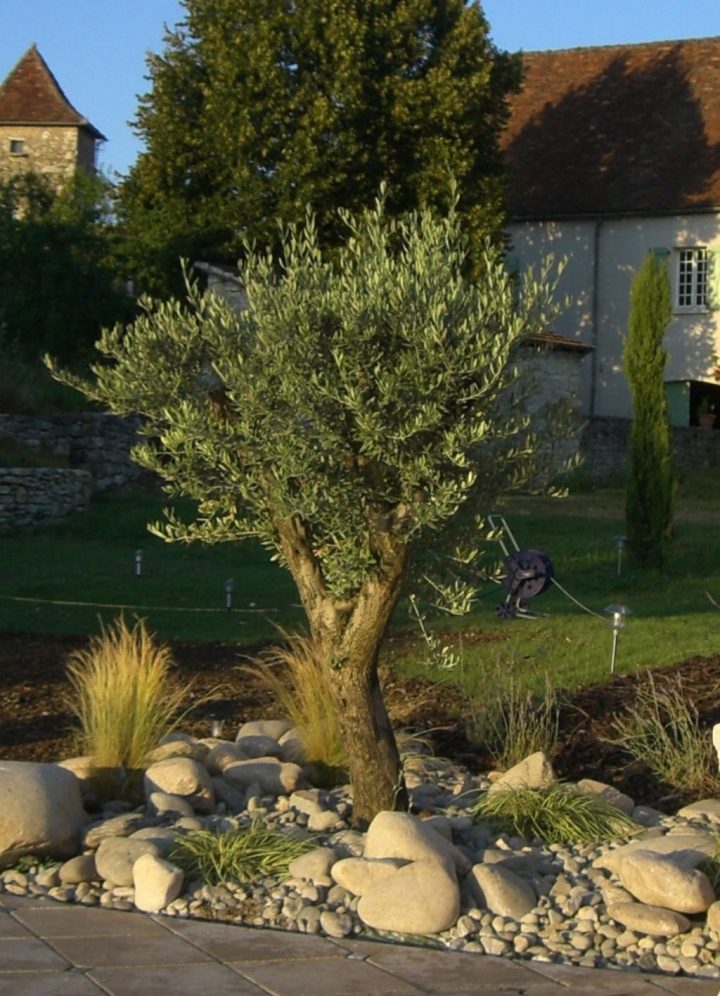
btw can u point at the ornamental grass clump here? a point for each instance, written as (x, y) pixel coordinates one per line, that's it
(303, 689)
(511, 722)
(123, 696)
(663, 729)
(558, 814)
(246, 855)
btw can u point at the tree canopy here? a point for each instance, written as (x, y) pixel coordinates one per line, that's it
(259, 108)
(355, 407)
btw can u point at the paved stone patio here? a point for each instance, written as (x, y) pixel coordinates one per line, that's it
(48, 949)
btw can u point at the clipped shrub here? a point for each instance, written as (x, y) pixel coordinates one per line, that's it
(123, 696)
(245, 855)
(558, 814)
(663, 729)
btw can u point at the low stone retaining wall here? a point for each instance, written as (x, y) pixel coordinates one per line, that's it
(94, 441)
(604, 445)
(32, 495)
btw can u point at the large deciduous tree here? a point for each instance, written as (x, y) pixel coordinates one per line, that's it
(355, 407)
(650, 484)
(258, 108)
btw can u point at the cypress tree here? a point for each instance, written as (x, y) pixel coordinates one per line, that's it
(650, 485)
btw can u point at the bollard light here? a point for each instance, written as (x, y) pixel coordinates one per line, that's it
(618, 613)
(620, 542)
(216, 727)
(138, 563)
(229, 589)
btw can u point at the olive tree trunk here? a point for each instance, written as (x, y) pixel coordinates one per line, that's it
(348, 635)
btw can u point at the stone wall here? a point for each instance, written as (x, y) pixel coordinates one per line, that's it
(605, 441)
(94, 441)
(32, 495)
(54, 150)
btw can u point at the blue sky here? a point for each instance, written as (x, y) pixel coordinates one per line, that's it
(97, 48)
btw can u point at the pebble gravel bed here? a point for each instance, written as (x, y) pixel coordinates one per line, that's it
(569, 924)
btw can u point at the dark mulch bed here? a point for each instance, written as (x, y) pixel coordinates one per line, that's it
(36, 725)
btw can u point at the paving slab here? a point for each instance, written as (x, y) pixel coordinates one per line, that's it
(48, 984)
(447, 971)
(86, 921)
(324, 977)
(27, 954)
(616, 982)
(190, 980)
(123, 950)
(228, 942)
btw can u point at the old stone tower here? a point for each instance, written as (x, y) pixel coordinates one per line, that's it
(40, 130)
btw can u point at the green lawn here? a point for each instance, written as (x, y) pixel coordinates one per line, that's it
(67, 577)
(671, 616)
(47, 575)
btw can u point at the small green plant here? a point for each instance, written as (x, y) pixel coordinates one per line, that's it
(30, 861)
(511, 722)
(245, 855)
(558, 814)
(123, 696)
(303, 689)
(710, 866)
(663, 729)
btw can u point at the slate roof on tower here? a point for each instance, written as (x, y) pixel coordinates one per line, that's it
(619, 129)
(30, 94)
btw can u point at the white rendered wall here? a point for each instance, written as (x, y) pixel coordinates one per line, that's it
(599, 295)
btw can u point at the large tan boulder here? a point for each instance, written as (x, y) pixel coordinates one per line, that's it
(157, 882)
(273, 776)
(401, 835)
(421, 898)
(534, 771)
(116, 856)
(608, 793)
(41, 811)
(654, 920)
(182, 776)
(274, 728)
(359, 875)
(687, 848)
(660, 880)
(501, 891)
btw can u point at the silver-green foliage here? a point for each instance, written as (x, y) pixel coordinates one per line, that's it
(371, 392)
(558, 814)
(245, 855)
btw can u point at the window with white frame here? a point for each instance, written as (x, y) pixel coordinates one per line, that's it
(692, 278)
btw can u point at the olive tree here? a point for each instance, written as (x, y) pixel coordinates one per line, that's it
(357, 404)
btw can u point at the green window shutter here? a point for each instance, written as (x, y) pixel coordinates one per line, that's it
(713, 278)
(660, 253)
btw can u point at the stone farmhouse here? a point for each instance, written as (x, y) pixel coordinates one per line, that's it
(40, 130)
(615, 151)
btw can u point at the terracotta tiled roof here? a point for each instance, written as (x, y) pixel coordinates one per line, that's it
(32, 95)
(617, 129)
